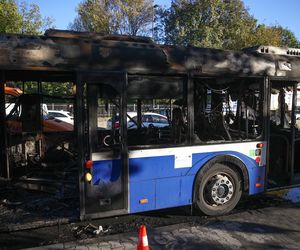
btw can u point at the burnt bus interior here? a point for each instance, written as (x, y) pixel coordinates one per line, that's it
(284, 159)
(224, 110)
(228, 109)
(41, 157)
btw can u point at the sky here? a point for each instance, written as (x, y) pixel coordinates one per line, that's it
(270, 12)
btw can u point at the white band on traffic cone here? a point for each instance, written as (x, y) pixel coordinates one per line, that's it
(145, 241)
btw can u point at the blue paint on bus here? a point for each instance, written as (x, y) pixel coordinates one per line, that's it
(156, 179)
(106, 171)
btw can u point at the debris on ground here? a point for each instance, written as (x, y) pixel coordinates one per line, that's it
(83, 231)
(100, 230)
(22, 209)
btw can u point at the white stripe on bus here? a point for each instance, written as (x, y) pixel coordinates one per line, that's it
(243, 147)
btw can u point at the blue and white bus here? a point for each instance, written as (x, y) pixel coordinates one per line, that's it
(210, 153)
(229, 125)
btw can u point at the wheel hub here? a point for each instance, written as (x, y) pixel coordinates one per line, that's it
(221, 189)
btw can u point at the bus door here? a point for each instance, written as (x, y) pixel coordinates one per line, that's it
(284, 136)
(105, 171)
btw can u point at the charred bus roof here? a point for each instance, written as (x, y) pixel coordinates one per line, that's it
(83, 51)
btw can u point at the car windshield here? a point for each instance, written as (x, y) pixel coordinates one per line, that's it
(56, 114)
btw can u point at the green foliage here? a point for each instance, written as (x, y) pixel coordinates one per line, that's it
(10, 18)
(32, 20)
(265, 35)
(131, 17)
(25, 19)
(95, 16)
(288, 38)
(58, 89)
(224, 24)
(136, 16)
(208, 23)
(48, 89)
(237, 25)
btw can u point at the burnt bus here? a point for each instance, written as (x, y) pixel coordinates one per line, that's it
(158, 126)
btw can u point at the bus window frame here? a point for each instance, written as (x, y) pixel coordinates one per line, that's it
(264, 111)
(185, 78)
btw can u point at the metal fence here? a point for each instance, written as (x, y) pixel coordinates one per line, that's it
(107, 111)
(58, 106)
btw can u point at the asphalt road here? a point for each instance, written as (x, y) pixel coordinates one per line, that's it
(262, 222)
(266, 228)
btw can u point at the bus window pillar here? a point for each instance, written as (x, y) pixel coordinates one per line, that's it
(79, 129)
(293, 131)
(4, 165)
(190, 105)
(124, 143)
(282, 107)
(139, 113)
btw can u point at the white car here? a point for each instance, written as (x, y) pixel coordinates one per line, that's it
(157, 120)
(62, 115)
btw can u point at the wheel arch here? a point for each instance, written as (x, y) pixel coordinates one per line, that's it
(231, 161)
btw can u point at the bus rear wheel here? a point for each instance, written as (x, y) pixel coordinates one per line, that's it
(217, 189)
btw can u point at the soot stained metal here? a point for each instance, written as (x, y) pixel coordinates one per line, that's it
(66, 50)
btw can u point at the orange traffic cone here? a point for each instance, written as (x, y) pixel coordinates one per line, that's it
(143, 239)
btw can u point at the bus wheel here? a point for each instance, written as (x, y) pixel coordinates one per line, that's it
(217, 189)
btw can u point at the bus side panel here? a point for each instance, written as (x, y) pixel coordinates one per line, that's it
(156, 180)
(145, 168)
(142, 196)
(256, 180)
(160, 193)
(174, 192)
(174, 186)
(256, 173)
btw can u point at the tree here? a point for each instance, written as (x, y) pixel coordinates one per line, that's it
(237, 24)
(158, 24)
(208, 23)
(132, 17)
(25, 19)
(32, 21)
(95, 16)
(224, 24)
(265, 35)
(288, 38)
(10, 18)
(136, 16)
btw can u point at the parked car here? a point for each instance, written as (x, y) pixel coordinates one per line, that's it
(162, 111)
(62, 115)
(12, 95)
(148, 118)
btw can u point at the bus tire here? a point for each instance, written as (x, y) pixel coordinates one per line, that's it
(218, 189)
